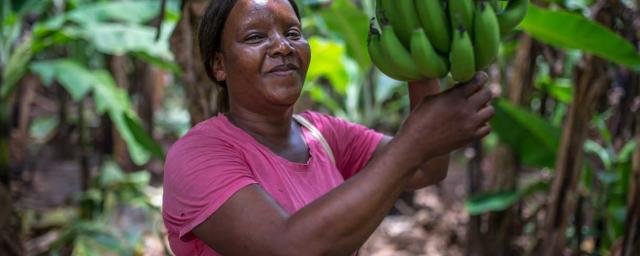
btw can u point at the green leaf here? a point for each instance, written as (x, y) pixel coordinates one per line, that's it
(76, 79)
(495, 201)
(607, 177)
(573, 31)
(41, 127)
(142, 137)
(137, 152)
(559, 88)
(110, 174)
(115, 101)
(326, 62)
(626, 152)
(110, 99)
(126, 11)
(118, 39)
(351, 25)
(501, 200)
(533, 138)
(591, 146)
(15, 67)
(318, 94)
(140, 178)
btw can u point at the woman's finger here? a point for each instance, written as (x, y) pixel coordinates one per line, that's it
(481, 97)
(485, 114)
(466, 89)
(484, 130)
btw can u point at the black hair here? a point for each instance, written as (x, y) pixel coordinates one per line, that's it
(210, 37)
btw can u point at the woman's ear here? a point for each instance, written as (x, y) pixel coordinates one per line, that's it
(218, 67)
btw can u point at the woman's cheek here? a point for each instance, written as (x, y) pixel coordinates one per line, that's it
(305, 54)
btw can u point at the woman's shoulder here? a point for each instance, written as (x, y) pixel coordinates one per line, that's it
(318, 118)
(326, 122)
(204, 136)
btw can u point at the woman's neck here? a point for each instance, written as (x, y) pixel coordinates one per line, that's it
(272, 128)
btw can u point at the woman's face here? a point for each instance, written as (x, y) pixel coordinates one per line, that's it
(264, 58)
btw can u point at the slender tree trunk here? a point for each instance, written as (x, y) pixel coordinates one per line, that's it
(200, 91)
(10, 238)
(85, 174)
(591, 82)
(502, 226)
(475, 245)
(117, 66)
(631, 240)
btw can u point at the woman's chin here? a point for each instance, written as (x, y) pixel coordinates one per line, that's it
(286, 96)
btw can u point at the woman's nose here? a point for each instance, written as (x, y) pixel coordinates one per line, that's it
(280, 46)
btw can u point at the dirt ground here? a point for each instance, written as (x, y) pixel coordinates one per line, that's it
(435, 225)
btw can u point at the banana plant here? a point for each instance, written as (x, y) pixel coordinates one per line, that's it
(96, 227)
(606, 181)
(103, 28)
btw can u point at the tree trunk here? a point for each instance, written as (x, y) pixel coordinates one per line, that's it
(117, 66)
(591, 82)
(199, 90)
(10, 230)
(475, 243)
(503, 226)
(631, 240)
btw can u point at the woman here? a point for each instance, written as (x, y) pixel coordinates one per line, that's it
(252, 181)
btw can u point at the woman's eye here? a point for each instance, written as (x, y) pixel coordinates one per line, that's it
(293, 34)
(253, 38)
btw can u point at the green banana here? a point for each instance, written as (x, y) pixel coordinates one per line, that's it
(381, 16)
(402, 16)
(433, 18)
(486, 35)
(397, 55)
(429, 63)
(461, 11)
(461, 57)
(512, 15)
(375, 53)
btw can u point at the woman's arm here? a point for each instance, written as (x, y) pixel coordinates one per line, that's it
(435, 169)
(429, 173)
(339, 222)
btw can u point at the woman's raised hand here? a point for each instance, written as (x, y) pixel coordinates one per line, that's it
(447, 121)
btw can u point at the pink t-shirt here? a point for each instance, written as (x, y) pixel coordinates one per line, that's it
(215, 159)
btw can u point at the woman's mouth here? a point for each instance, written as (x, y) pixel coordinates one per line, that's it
(283, 70)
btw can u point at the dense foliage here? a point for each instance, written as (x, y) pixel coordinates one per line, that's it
(97, 84)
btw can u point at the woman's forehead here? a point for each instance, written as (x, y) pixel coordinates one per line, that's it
(248, 11)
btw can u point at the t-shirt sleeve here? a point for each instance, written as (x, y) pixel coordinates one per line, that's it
(201, 173)
(352, 144)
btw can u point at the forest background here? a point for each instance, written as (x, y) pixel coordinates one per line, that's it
(94, 92)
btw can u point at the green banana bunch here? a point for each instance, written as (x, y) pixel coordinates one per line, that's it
(512, 15)
(430, 38)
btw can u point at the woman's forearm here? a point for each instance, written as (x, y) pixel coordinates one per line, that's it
(342, 220)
